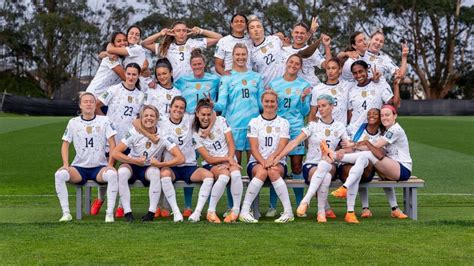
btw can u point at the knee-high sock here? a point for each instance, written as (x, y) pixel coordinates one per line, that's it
(323, 193)
(316, 179)
(154, 191)
(298, 191)
(217, 191)
(356, 171)
(282, 193)
(364, 196)
(204, 193)
(168, 190)
(351, 196)
(391, 197)
(60, 179)
(273, 198)
(124, 175)
(110, 176)
(188, 197)
(252, 192)
(236, 188)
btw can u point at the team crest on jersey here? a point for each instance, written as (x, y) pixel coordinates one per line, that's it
(333, 91)
(88, 129)
(363, 93)
(371, 58)
(263, 49)
(148, 144)
(366, 137)
(130, 99)
(327, 132)
(198, 86)
(269, 129)
(211, 136)
(178, 131)
(181, 48)
(168, 97)
(288, 91)
(244, 82)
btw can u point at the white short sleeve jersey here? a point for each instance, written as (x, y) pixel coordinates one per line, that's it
(225, 47)
(182, 135)
(136, 54)
(268, 134)
(307, 71)
(398, 148)
(316, 131)
(90, 140)
(215, 143)
(142, 146)
(340, 93)
(180, 56)
(267, 59)
(161, 98)
(382, 62)
(104, 77)
(124, 106)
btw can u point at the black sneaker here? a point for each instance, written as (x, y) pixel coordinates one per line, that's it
(129, 217)
(148, 217)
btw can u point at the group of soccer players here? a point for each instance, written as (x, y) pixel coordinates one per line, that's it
(264, 100)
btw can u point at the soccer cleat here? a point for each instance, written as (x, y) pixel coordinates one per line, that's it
(285, 218)
(96, 205)
(158, 212)
(330, 214)
(351, 218)
(397, 213)
(129, 217)
(194, 217)
(109, 218)
(321, 218)
(366, 213)
(165, 213)
(341, 192)
(119, 212)
(187, 212)
(67, 217)
(177, 217)
(247, 218)
(231, 217)
(271, 212)
(148, 217)
(213, 218)
(325, 150)
(301, 210)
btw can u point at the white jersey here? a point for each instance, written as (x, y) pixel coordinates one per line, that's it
(180, 55)
(142, 146)
(182, 135)
(90, 140)
(136, 54)
(104, 77)
(382, 62)
(267, 59)
(268, 134)
(307, 70)
(161, 98)
(340, 93)
(364, 98)
(124, 106)
(398, 148)
(225, 47)
(317, 131)
(215, 143)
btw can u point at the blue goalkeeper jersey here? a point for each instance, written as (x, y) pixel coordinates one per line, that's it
(239, 98)
(193, 89)
(290, 105)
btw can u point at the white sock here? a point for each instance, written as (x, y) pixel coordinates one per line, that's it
(204, 193)
(391, 196)
(252, 192)
(60, 179)
(217, 191)
(364, 196)
(355, 174)
(282, 193)
(168, 190)
(323, 193)
(236, 188)
(316, 180)
(351, 196)
(110, 176)
(124, 175)
(154, 191)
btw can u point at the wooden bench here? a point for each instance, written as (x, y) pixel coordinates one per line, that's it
(410, 201)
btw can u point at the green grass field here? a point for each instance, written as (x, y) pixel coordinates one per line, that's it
(443, 153)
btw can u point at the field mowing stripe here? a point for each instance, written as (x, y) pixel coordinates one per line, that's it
(261, 194)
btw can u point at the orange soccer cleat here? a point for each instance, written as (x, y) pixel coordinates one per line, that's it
(213, 218)
(341, 192)
(397, 213)
(351, 218)
(96, 205)
(330, 214)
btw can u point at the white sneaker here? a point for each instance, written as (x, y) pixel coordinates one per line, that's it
(67, 217)
(109, 218)
(178, 217)
(284, 218)
(246, 217)
(271, 212)
(194, 217)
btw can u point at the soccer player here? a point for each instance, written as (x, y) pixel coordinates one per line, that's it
(355, 51)
(90, 134)
(144, 163)
(199, 84)
(218, 152)
(293, 105)
(177, 47)
(316, 170)
(178, 127)
(268, 134)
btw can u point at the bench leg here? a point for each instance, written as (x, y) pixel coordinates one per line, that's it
(255, 207)
(88, 200)
(414, 204)
(78, 202)
(407, 201)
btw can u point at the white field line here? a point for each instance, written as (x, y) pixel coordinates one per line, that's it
(261, 194)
